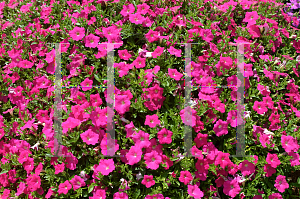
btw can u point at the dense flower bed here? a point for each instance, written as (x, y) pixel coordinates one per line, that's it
(149, 143)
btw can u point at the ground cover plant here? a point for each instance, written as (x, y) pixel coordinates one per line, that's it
(149, 98)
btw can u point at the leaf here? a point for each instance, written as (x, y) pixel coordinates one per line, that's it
(4, 171)
(91, 187)
(97, 78)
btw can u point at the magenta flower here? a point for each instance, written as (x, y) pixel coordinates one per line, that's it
(220, 128)
(173, 73)
(152, 160)
(91, 41)
(86, 84)
(127, 9)
(206, 35)
(275, 196)
(141, 139)
(26, 64)
(77, 33)
(34, 182)
(295, 159)
(106, 166)
(59, 168)
(289, 143)
(142, 8)
(260, 107)
(157, 52)
(77, 182)
(152, 36)
(231, 188)
(124, 54)
(185, 177)
(64, 187)
(165, 136)
(139, 62)
(70, 123)
(281, 183)
(122, 104)
(148, 181)
(201, 140)
(269, 170)
(193, 190)
(273, 160)
(136, 18)
(246, 167)
(120, 195)
(134, 155)
(222, 159)
(89, 137)
(174, 51)
(152, 120)
(251, 17)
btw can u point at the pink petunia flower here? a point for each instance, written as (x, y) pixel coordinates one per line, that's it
(251, 17)
(106, 166)
(136, 18)
(275, 196)
(185, 177)
(246, 167)
(295, 161)
(152, 160)
(222, 159)
(269, 170)
(201, 140)
(157, 52)
(77, 33)
(173, 73)
(139, 62)
(165, 136)
(120, 195)
(122, 104)
(174, 51)
(152, 36)
(142, 8)
(64, 187)
(231, 188)
(127, 10)
(34, 182)
(124, 54)
(77, 182)
(289, 143)
(148, 181)
(152, 120)
(89, 137)
(281, 183)
(221, 128)
(59, 168)
(134, 155)
(86, 84)
(273, 160)
(91, 41)
(26, 64)
(260, 107)
(141, 139)
(193, 190)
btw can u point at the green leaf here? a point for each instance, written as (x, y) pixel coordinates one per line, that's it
(91, 187)
(97, 78)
